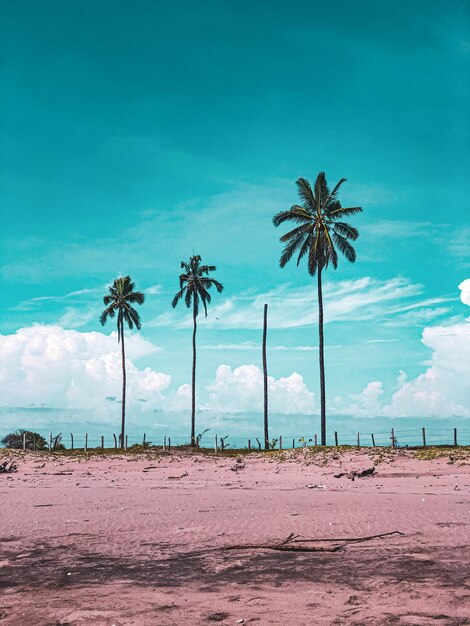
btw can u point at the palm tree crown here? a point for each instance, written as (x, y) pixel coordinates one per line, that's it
(195, 284)
(320, 232)
(120, 299)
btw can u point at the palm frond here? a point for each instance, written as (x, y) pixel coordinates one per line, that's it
(346, 230)
(344, 247)
(305, 192)
(344, 212)
(178, 297)
(294, 214)
(136, 297)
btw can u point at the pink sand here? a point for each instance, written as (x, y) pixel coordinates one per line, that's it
(133, 540)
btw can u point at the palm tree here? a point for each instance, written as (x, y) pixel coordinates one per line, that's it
(319, 235)
(119, 300)
(194, 288)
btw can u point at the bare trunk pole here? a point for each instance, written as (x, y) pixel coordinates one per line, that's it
(336, 439)
(373, 440)
(265, 379)
(71, 441)
(455, 437)
(123, 356)
(322, 360)
(193, 389)
(424, 436)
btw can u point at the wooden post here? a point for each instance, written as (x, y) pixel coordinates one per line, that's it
(265, 378)
(71, 441)
(336, 439)
(393, 437)
(125, 446)
(293, 443)
(314, 440)
(373, 440)
(424, 437)
(102, 442)
(86, 442)
(455, 437)
(164, 443)
(24, 441)
(358, 440)
(216, 447)
(50, 441)
(115, 441)
(280, 442)
(249, 445)
(143, 441)
(169, 444)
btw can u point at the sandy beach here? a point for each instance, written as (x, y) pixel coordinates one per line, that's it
(200, 539)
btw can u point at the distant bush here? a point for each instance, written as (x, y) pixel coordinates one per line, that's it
(33, 440)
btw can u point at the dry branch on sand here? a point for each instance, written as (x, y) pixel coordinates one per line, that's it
(295, 543)
(7, 469)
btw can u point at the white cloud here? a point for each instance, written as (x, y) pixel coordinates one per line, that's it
(367, 402)
(241, 389)
(52, 366)
(465, 291)
(352, 300)
(441, 391)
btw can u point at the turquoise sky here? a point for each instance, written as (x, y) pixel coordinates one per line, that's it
(133, 134)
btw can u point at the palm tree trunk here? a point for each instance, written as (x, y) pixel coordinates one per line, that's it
(322, 360)
(193, 398)
(265, 377)
(123, 406)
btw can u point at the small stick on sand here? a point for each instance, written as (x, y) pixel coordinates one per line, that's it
(295, 544)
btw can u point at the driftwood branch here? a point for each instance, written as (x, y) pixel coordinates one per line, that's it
(294, 543)
(7, 469)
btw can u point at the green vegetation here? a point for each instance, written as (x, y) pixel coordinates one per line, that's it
(34, 441)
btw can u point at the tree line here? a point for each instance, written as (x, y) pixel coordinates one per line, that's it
(319, 235)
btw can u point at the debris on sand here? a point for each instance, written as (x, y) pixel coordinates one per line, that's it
(356, 473)
(8, 469)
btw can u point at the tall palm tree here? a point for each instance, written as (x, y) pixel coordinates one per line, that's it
(319, 235)
(194, 288)
(120, 299)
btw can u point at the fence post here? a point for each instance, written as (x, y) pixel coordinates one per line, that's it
(50, 441)
(373, 440)
(24, 441)
(280, 442)
(249, 445)
(393, 437)
(102, 442)
(169, 444)
(115, 441)
(143, 441)
(86, 442)
(71, 441)
(358, 440)
(336, 439)
(455, 437)
(216, 447)
(315, 440)
(164, 443)
(293, 443)
(125, 447)
(424, 437)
